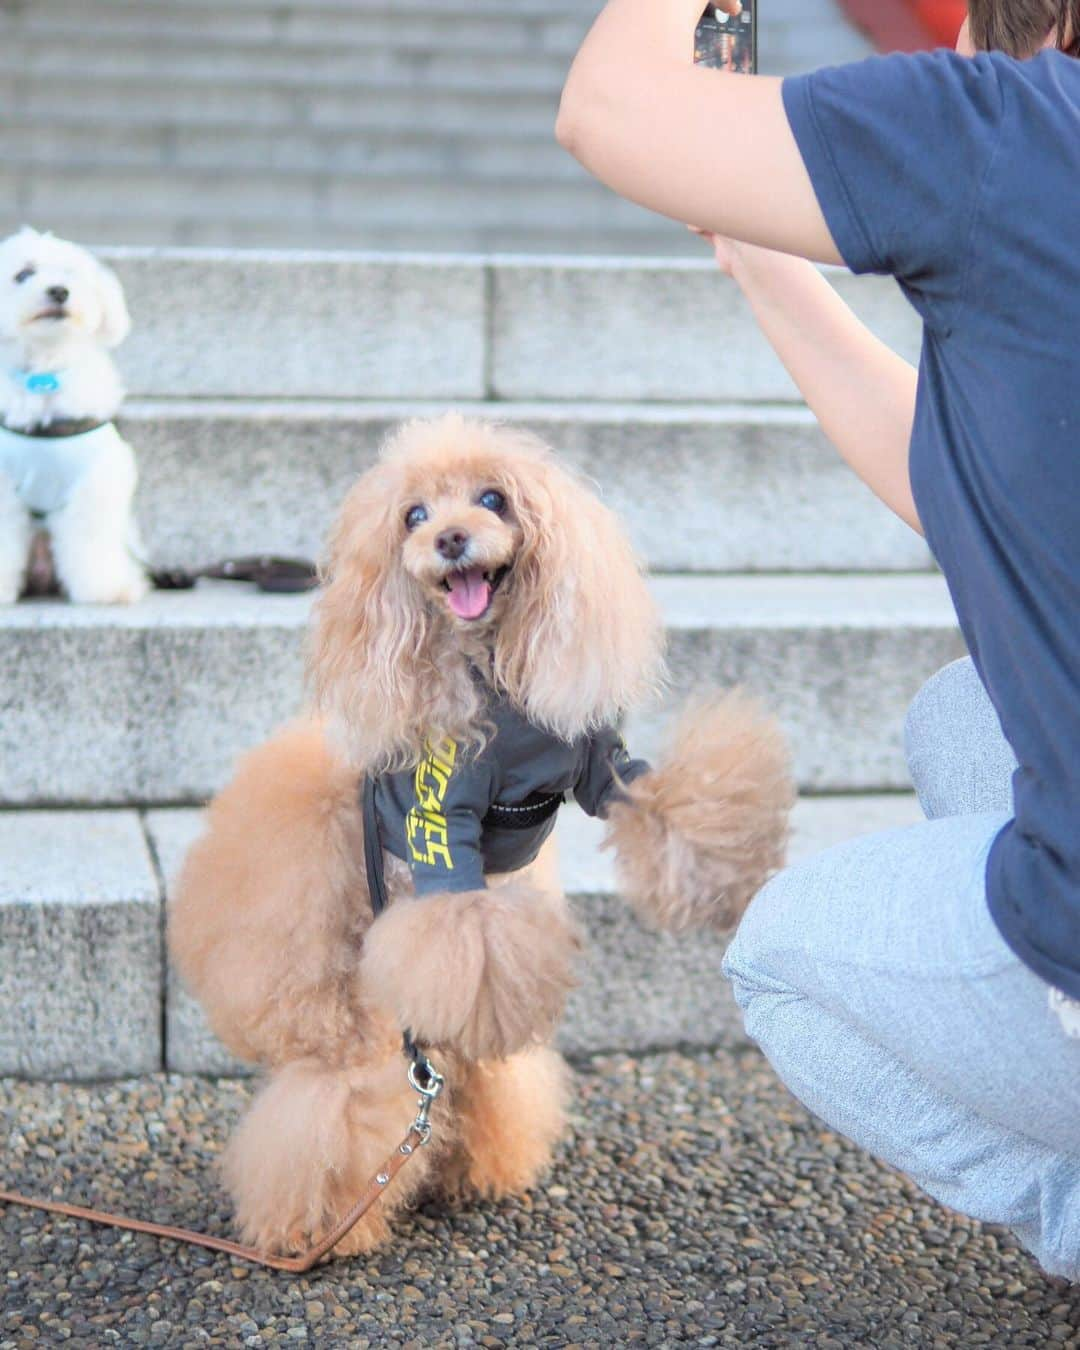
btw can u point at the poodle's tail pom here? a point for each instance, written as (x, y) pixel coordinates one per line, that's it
(484, 972)
(702, 833)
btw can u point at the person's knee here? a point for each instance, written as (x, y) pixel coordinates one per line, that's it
(930, 727)
(957, 757)
(753, 961)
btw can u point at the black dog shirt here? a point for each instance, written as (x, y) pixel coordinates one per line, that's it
(460, 814)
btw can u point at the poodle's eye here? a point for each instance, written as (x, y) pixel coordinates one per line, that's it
(491, 500)
(415, 515)
(24, 275)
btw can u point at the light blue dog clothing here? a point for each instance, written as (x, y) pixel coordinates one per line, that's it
(46, 469)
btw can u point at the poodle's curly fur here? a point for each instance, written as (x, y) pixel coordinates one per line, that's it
(271, 925)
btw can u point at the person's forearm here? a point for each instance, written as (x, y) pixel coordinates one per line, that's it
(861, 392)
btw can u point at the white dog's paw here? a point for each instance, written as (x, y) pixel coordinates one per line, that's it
(127, 588)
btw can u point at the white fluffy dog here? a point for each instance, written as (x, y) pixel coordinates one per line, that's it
(64, 468)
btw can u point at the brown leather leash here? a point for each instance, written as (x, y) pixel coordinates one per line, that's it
(422, 1076)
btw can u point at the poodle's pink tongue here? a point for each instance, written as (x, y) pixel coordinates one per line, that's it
(469, 593)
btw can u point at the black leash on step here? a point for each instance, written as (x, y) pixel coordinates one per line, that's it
(266, 570)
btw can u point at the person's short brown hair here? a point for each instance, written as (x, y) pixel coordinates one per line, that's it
(1020, 27)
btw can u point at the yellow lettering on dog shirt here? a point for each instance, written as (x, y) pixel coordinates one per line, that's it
(426, 828)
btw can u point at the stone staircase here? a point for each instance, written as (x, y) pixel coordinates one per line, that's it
(254, 403)
(322, 123)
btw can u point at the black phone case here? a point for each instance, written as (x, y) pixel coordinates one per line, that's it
(726, 43)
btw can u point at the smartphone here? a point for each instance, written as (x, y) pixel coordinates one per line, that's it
(727, 42)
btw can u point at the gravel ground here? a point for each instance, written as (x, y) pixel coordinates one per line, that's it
(696, 1203)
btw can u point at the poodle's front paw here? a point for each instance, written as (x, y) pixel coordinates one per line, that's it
(484, 972)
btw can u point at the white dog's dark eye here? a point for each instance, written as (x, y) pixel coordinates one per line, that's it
(415, 515)
(492, 501)
(24, 275)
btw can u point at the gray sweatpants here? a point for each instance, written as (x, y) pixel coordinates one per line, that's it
(876, 983)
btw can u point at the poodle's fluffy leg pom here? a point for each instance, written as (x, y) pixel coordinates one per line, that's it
(309, 1145)
(701, 834)
(267, 916)
(510, 1113)
(484, 972)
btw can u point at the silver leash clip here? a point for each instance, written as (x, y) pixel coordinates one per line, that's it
(428, 1082)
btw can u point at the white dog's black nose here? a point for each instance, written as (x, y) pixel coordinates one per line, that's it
(452, 543)
(58, 293)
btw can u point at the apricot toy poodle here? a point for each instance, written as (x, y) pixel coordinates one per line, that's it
(482, 629)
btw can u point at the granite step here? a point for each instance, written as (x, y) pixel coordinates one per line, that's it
(337, 200)
(85, 994)
(277, 106)
(114, 225)
(701, 488)
(286, 325)
(289, 155)
(322, 64)
(407, 25)
(152, 704)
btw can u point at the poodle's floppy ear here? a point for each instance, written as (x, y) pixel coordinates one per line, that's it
(115, 323)
(371, 659)
(581, 641)
(366, 627)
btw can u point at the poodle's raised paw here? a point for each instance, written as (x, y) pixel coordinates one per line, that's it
(697, 837)
(485, 972)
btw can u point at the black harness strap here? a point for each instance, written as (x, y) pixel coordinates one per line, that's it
(59, 430)
(376, 881)
(373, 858)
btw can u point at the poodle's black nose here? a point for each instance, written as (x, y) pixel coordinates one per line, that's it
(452, 543)
(58, 293)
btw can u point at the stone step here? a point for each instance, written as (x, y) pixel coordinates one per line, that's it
(278, 106)
(513, 29)
(82, 970)
(285, 155)
(106, 229)
(340, 200)
(702, 488)
(360, 326)
(82, 962)
(292, 10)
(322, 64)
(152, 704)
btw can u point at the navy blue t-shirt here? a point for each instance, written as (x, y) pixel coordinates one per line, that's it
(961, 178)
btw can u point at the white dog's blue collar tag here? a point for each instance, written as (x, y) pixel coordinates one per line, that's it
(38, 381)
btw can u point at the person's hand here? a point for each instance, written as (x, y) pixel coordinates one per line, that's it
(732, 7)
